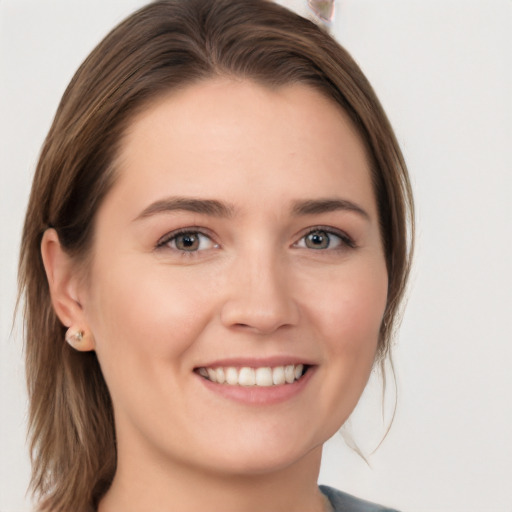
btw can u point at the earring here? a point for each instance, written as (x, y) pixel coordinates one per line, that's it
(74, 338)
(80, 340)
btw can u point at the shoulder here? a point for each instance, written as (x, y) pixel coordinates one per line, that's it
(342, 502)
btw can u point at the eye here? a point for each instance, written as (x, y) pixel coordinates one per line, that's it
(187, 241)
(321, 239)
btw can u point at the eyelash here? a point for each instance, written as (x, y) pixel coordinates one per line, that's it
(345, 240)
(164, 242)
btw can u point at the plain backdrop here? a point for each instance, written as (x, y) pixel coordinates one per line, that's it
(442, 69)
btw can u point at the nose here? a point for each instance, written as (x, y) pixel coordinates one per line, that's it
(260, 297)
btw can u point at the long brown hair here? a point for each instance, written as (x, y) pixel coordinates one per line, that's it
(163, 46)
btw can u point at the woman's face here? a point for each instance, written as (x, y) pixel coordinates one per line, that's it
(241, 238)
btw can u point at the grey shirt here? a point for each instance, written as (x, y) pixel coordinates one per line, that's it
(342, 502)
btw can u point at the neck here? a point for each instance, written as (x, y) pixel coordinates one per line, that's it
(163, 486)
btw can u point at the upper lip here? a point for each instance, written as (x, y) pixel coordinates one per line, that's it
(256, 362)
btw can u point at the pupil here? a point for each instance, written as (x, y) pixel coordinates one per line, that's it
(187, 242)
(318, 240)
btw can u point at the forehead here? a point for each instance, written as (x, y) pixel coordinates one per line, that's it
(221, 134)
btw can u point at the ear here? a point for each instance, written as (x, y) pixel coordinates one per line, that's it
(63, 281)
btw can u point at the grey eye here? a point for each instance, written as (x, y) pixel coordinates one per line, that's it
(318, 240)
(322, 239)
(190, 241)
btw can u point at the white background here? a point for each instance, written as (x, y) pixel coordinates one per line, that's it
(442, 69)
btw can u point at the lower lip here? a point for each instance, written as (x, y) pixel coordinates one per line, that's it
(260, 395)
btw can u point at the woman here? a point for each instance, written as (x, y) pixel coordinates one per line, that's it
(214, 254)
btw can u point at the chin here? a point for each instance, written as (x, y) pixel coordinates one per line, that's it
(261, 464)
(263, 454)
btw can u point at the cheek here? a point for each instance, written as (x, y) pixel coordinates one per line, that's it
(142, 316)
(355, 317)
(352, 312)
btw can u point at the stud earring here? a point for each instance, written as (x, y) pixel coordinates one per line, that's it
(73, 337)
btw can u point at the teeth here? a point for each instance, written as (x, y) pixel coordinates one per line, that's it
(289, 373)
(232, 376)
(278, 375)
(247, 376)
(264, 377)
(221, 377)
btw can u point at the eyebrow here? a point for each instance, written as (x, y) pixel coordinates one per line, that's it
(317, 206)
(209, 207)
(214, 208)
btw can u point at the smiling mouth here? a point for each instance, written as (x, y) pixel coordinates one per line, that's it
(246, 376)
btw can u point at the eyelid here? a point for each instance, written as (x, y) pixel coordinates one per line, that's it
(164, 240)
(346, 240)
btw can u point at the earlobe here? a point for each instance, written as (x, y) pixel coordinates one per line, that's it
(64, 287)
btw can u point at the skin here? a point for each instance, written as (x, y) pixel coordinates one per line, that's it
(254, 289)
